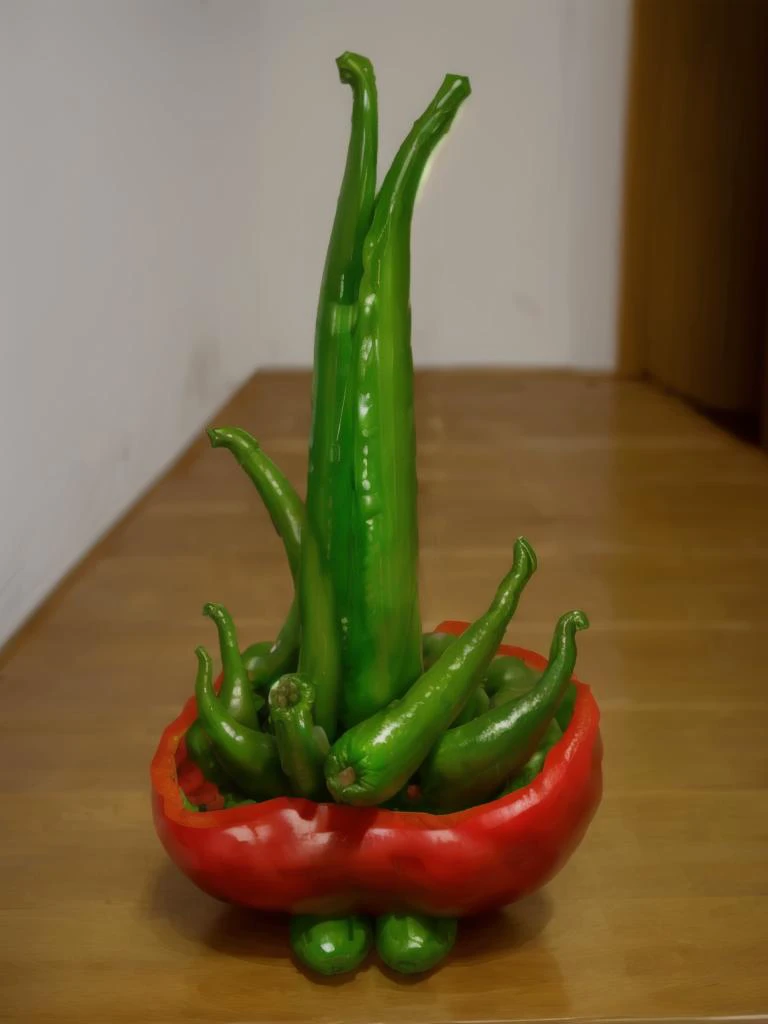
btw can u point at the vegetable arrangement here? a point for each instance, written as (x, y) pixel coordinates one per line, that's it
(350, 768)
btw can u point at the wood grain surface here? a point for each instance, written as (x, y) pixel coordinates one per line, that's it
(642, 513)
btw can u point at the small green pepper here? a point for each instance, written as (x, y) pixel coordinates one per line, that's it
(375, 758)
(302, 745)
(235, 695)
(469, 764)
(414, 943)
(331, 945)
(250, 758)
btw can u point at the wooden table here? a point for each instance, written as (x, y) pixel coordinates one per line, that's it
(642, 513)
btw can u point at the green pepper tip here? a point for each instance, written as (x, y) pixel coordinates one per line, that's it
(353, 66)
(523, 544)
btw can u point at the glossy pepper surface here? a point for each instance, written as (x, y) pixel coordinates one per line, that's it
(470, 763)
(373, 760)
(323, 858)
(326, 563)
(384, 629)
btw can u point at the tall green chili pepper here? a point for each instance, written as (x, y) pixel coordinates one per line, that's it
(249, 757)
(469, 764)
(375, 758)
(384, 632)
(326, 563)
(302, 745)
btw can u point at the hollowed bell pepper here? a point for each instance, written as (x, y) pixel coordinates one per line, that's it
(295, 855)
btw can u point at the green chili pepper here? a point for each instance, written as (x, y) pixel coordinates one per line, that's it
(249, 757)
(535, 763)
(477, 704)
(302, 745)
(384, 631)
(265, 662)
(508, 678)
(287, 513)
(470, 763)
(375, 758)
(280, 499)
(326, 562)
(331, 945)
(567, 704)
(414, 943)
(236, 695)
(433, 645)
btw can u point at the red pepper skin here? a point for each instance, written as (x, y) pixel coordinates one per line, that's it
(295, 855)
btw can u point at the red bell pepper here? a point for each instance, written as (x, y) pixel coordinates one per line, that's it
(323, 858)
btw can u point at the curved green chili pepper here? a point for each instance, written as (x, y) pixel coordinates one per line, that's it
(287, 513)
(384, 632)
(265, 662)
(249, 757)
(301, 744)
(414, 943)
(236, 695)
(326, 562)
(535, 763)
(470, 763)
(375, 758)
(281, 501)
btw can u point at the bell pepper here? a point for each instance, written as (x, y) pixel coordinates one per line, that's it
(291, 854)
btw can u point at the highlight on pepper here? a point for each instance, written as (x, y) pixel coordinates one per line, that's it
(352, 709)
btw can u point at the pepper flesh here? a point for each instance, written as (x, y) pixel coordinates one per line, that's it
(470, 763)
(384, 632)
(326, 568)
(248, 756)
(375, 759)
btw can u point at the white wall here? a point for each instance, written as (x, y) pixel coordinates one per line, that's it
(516, 237)
(122, 179)
(168, 176)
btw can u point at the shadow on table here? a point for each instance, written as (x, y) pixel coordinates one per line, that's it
(256, 935)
